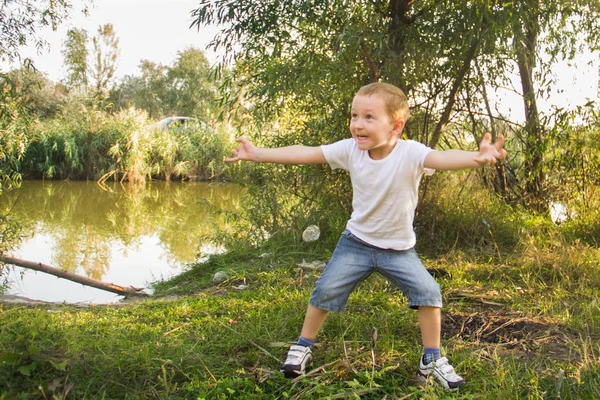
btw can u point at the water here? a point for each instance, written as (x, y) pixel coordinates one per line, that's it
(126, 235)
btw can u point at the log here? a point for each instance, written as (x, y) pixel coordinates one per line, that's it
(110, 287)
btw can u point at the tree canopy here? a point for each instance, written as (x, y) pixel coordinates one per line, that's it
(187, 87)
(307, 58)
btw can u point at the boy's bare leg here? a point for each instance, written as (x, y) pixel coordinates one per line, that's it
(430, 322)
(313, 321)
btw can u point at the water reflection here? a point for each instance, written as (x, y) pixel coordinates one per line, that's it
(88, 228)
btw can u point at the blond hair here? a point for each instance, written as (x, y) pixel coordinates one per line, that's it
(394, 98)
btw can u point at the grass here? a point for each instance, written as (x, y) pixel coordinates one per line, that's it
(526, 326)
(521, 321)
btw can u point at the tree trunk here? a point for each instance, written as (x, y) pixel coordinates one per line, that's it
(110, 287)
(453, 92)
(525, 42)
(399, 13)
(500, 181)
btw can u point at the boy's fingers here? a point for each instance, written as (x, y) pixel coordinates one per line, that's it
(500, 142)
(242, 140)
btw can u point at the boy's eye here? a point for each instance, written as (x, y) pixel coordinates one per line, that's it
(354, 116)
(369, 116)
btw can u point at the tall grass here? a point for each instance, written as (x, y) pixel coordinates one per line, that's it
(94, 144)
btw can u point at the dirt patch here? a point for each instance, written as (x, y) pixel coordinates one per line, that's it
(513, 333)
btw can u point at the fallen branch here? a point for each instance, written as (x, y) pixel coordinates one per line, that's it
(318, 265)
(110, 287)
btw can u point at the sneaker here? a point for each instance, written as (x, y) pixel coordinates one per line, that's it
(443, 373)
(298, 359)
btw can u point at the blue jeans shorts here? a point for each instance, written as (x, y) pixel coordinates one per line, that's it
(353, 260)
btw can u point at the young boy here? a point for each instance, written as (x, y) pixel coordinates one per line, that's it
(385, 172)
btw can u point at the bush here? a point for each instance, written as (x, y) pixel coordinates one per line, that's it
(97, 145)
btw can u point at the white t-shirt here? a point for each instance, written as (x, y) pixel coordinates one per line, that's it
(385, 192)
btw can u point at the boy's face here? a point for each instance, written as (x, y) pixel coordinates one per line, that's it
(372, 127)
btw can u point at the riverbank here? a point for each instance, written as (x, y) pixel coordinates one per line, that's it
(524, 326)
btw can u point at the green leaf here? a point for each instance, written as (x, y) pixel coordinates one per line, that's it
(34, 350)
(60, 366)
(10, 358)
(26, 369)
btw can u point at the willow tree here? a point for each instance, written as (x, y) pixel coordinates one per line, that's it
(530, 36)
(299, 63)
(20, 21)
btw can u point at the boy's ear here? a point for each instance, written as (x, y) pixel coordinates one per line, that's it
(399, 125)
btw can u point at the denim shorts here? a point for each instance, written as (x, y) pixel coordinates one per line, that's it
(354, 260)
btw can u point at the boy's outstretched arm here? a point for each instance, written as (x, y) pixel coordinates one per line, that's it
(488, 153)
(298, 154)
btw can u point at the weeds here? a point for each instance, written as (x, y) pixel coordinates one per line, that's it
(521, 320)
(97, 145)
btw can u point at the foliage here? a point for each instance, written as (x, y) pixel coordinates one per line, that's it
(75, 55)
(105, 56)
(95, 144)
(298, 64)
(185, 88)
(39, 97)
(20, 20)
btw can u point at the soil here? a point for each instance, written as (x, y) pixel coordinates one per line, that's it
(511, 333)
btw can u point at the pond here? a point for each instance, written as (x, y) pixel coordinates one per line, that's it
(126, 235)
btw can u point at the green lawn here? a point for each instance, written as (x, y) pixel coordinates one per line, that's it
(526, 326)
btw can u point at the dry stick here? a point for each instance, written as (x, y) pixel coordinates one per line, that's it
(207, 370)
(348, 360)
(373, 344)
(314, 371)
(109, 287)
(354, 393)
(242, 336)
(512, 321)
(176, 329)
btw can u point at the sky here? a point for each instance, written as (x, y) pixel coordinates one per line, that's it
(156, 30)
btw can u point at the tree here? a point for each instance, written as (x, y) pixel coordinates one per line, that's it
(185, 88)
(21, 18)
(194, 91)
(36, 93)
(148, 92)
(106, 55)
(307, 58)
(75, 55)
(19, 21)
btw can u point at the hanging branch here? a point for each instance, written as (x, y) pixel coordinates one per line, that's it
(109, 287)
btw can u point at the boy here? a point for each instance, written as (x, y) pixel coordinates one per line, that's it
(385, 172)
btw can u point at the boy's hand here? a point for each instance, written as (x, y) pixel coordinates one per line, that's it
(245, 151)
(490, 152)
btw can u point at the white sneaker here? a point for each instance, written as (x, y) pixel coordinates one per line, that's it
(443, 373)
(298, 358)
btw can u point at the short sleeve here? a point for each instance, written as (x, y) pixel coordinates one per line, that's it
(338, 154)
